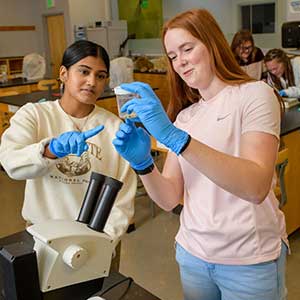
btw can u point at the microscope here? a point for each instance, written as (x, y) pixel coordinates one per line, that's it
(60, 259)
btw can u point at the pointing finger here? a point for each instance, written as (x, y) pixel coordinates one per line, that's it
(90, 133)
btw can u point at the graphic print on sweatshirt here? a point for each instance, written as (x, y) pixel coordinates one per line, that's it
(71, 167)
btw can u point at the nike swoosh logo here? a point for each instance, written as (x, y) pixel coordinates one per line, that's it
(223, 117)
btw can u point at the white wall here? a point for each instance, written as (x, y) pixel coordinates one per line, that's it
(293, 10)
(33, 12)
(86, 12)
(114, 9)
(19, 13)
(61, 7)
(75, 12)
(268, 40)
(216, 7)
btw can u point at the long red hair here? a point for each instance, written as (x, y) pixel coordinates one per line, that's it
(202, 25)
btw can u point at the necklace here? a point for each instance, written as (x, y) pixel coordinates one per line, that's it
(79, 123)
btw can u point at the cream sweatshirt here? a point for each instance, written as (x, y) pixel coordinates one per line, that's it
(55, 188)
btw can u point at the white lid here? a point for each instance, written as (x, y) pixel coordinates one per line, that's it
(119, 91)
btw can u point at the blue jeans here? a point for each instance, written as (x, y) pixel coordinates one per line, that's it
(207, 281)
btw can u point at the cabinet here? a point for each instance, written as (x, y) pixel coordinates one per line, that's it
(292, 208)
(5, 115)
(109, 104)
(20, 89)
(156, 80)
(12, 197)
(11, 65)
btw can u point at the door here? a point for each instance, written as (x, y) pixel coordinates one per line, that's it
(56, 41)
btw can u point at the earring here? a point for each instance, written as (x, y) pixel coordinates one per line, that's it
(61, 88)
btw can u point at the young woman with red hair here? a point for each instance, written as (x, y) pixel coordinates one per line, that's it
(223, 144)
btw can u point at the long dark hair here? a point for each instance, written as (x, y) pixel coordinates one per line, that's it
(81, 49)
(280, 56)
(202, 25)
(239, 38)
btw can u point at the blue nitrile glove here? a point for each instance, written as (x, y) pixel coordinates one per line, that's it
(134, 145)
(72, 142)
(153, 116)
(282, 93)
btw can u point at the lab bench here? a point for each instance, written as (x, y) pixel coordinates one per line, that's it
(19, 85)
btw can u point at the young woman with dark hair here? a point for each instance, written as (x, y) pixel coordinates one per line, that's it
(248, 56)
(56, 145)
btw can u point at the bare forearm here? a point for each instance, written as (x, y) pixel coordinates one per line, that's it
(47, 153)
(239, 176)
(161, 190)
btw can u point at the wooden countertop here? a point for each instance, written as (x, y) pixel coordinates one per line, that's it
(17, 81)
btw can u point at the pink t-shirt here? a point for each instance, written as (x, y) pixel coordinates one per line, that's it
(217, 226)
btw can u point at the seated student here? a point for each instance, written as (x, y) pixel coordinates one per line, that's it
(249, 57)
(283, 73)
(55, 145)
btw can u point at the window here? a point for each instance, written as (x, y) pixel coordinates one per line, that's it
(258, 18)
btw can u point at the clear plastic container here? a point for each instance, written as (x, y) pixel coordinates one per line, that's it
(123, 96)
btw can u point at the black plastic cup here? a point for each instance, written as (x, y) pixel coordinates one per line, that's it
(90, 198)
(105, 203)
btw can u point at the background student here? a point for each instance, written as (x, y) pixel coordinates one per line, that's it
(283, 73)
(248, 56)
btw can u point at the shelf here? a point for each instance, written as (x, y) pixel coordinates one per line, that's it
(11, 65)
(16, 28)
